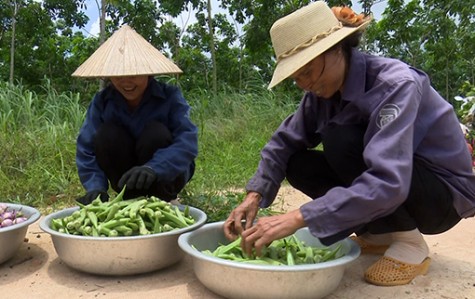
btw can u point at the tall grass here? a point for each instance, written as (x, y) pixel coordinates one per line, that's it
(38, 138)
(232, 130)
(37, 145)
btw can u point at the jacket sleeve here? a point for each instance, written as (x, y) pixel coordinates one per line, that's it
(90, 175)
(176, 159)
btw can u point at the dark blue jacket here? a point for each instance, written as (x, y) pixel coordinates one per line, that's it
(161, 102)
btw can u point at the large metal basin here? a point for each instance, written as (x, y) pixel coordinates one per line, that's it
(118, 255)
(240, 280)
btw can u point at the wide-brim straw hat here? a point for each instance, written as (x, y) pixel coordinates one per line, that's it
(126, 53)
(305, 34)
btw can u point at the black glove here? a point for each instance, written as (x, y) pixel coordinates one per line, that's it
(92, 195)
(138, 178)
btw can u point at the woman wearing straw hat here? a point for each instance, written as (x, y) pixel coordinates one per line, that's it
(137, 132)
(394, 163)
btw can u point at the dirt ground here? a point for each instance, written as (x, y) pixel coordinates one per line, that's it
(37, 272)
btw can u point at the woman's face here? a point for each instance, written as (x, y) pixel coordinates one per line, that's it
(324, 75)
(131, 87)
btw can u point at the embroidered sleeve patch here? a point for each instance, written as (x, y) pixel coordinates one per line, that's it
(387, 114)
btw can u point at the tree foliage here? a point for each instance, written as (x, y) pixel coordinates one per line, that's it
(233, 51)
(435, 36)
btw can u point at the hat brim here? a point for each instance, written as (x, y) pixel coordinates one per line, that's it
(289, 65)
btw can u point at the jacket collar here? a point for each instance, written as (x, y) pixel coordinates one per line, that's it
(355, 80)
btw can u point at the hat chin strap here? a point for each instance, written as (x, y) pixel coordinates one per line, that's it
(310, 42)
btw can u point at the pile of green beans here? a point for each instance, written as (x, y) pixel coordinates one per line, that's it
(286, 251)
(118, 217)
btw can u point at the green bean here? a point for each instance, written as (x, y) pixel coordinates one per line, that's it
(135, 207)
(124, 230)
(309, 255)
(173, 218)
(115, 222)
(142, 227)
(289, 254)
(167, 227)
(71, 225)
(186, 211)
(234, 245)
(93, 218)
(285, 251)
(330, 255)
(118, 198)
(180, 215)
(119, 217)
(114, 208)
(79, 221)
(156, 204)
(134, 226)
(147, 212)
(87, 230)
(157, 226)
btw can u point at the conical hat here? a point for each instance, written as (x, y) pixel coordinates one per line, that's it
(126, 53)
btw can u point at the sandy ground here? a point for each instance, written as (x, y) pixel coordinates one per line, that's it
(37, 272)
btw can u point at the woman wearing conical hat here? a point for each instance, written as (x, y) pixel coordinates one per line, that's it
(137, 131)
(394, 163)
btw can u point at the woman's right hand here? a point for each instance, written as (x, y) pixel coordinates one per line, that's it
(247, 210)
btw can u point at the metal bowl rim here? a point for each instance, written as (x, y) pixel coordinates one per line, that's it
(44, 225)
(183, 242)
(34, 215)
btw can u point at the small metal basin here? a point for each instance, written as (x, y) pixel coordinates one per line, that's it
(11, 237)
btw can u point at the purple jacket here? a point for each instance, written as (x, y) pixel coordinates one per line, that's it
(406, 118)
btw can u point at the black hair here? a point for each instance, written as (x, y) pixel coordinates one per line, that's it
(347, 44)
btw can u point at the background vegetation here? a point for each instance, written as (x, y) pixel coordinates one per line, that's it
(228, 61)
(226, 50)
(38, 145)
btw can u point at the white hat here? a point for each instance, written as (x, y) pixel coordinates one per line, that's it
(308, 32)
(126, 53)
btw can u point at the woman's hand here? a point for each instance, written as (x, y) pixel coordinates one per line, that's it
(247, 210)
(268, 229)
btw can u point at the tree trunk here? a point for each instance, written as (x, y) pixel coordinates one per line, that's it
(102, 33)
(447, 80)
(472, 68)
(366, 5)
(211, 45)
(12, 45)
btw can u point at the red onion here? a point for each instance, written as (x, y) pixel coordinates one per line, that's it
(19, 220)
(7, 222)
(8, 215)
(8, 218)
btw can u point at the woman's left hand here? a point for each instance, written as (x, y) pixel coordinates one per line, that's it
(267, 229)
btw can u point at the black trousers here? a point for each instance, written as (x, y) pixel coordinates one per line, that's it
(117, 151)
(428, 206)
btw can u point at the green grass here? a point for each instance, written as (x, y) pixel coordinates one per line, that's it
(38, 138)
